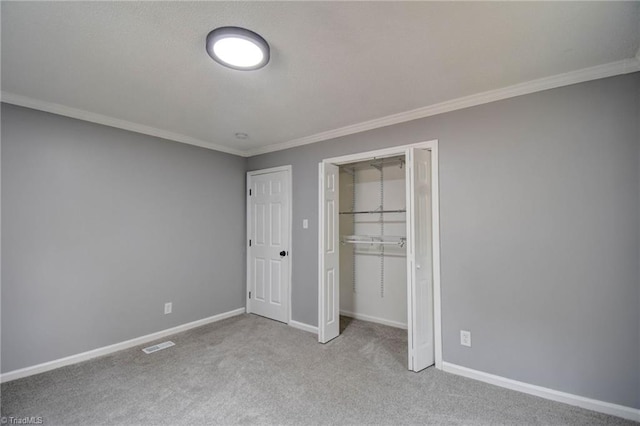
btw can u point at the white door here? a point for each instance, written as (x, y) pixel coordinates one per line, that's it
(268, 228)
(329, 279)
(420, 264)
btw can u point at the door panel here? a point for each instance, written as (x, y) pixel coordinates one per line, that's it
(269, 234)
(258, 287)
(420, 304)
(328, 314)
(276, 277)
(276, 221)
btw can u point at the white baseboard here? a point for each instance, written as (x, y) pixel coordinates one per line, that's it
(73, 359)
(554, 395)
(377, 320)
(303, 326)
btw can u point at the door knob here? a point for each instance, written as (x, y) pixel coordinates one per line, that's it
(283, 253)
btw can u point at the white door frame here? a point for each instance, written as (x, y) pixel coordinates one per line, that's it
(435, 211)
(250, 174)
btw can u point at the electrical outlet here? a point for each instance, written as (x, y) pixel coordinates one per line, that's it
(465, 338)
(168, 308)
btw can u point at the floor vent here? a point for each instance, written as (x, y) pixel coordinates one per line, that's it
(158, 347)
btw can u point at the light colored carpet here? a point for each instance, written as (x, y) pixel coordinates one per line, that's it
(252, 370)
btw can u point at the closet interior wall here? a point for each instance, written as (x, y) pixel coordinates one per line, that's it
(373, 263)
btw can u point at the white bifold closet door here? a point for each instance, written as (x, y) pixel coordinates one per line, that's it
(420, 175)
(329, 292)
(419, 265)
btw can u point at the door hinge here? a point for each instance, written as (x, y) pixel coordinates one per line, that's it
(249, 295)
(249, 243)
(249, 193)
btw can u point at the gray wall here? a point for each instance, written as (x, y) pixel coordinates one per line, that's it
(540, 233)
(101, 227)
(540, 208)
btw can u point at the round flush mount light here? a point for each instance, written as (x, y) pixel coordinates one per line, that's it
(238, 48)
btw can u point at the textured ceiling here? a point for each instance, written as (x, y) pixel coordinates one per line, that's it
(333, 64)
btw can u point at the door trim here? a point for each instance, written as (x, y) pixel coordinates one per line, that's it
(431, 145)
(250, 174)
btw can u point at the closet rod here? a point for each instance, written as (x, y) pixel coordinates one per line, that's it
(374, 239)
(399, 243)
(375, 211)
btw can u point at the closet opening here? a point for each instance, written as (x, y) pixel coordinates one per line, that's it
(373, 237)
(379, 246)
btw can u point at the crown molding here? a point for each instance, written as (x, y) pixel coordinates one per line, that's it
(611, 69)
(54, 108)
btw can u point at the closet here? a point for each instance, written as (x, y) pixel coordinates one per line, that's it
(378, 245)
(372, 227)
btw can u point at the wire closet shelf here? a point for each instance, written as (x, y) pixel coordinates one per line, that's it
(374, 239)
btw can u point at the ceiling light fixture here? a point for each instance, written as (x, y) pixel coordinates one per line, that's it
(238, 48)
